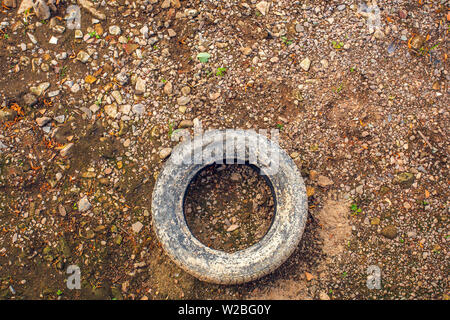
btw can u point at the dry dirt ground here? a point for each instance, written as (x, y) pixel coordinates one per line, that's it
(86, 122)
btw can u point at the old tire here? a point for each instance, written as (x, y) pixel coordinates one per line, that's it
(217, 266)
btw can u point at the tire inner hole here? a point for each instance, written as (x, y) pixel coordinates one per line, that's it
(229, 207)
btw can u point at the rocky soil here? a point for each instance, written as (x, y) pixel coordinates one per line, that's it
(87, 116)
(229, 207)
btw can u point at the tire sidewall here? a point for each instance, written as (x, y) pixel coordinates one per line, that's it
(218, 266)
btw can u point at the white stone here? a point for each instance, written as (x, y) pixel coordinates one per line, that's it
(125, 109)
(139, 109)
(111, 110)
(305, 64)
(182, 101)
(136, 227)
(114, 30)
(140, 86)
(53, 40)
(84, 204)
(263, 7)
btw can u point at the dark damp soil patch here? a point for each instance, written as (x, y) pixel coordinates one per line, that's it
(229, 207)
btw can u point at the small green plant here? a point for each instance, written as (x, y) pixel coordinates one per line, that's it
(337, 45)
(344, 274)
(257, 13)
(220, 71)
(286, 41)
(99, 101)
(94, 34)
(6, 36)
(63, 71)
(155, 47)
(59, 292)
(339, 89)
(402, 240)
(355, 209)
(170, 129)
(280, 126)
(163, 80)
(352, 69)
(434, 47)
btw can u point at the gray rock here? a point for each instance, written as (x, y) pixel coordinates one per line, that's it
(84, 204)
(61, 56)
(111, 110)
(30, 99)
(122, 78)
(75, 88)
(41, 9)
(40, 88)
(90, 7)
(42, 121)
(182, 101)
(378, 34)
(125, 109)
(136, 227)
(53, 93)
(144, 31)
(324, 181)
(168, 88)
(138, 109)
(32, 38)
(3, 146)
(153, 40)
(263, 7)
(60, 119)
(24, 6)
(87, 112)
(117, 96)
(59, 29)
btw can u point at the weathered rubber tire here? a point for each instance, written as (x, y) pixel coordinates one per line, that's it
(217, 266)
